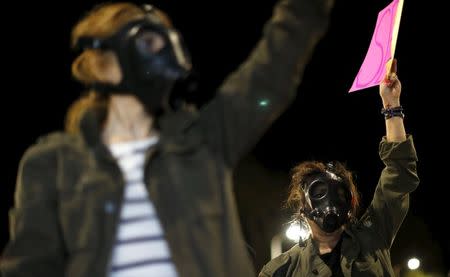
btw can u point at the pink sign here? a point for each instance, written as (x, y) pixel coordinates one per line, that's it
(381, 49)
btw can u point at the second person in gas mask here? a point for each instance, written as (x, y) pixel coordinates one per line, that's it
(325, 197)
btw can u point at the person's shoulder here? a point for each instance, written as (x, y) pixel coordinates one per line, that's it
(49, 144)
(58, 139)
(282, 262)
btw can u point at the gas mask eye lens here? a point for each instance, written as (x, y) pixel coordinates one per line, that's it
(318, 190)
(150, 43)
(342, 194)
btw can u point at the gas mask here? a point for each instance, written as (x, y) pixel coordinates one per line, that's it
(328, 200)
(152, 58)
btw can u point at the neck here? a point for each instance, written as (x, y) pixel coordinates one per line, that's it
(127, 120)
(325, 241)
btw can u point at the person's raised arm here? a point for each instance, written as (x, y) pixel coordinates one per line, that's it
(254, 95)
(398, 178)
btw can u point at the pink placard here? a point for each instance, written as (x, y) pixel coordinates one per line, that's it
(373, 68)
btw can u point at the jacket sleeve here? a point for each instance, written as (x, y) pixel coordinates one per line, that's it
(254, 95)
(35, 247)
(391, 198)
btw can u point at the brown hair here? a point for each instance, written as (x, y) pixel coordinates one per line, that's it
(296, 199)
(102, 21)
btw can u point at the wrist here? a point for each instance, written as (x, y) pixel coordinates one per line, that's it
(390, 112)
(391, 104)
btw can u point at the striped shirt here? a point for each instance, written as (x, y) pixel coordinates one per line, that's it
(140, 248)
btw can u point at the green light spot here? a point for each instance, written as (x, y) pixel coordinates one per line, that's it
(264, 103)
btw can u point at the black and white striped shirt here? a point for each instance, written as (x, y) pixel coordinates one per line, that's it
(140, 248)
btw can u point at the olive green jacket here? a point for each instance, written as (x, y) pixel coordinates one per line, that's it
(69, 188)
(366, 245)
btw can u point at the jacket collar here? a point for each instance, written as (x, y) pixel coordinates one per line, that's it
(350, 246)
(171, 125)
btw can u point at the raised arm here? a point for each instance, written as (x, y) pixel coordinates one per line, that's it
(399, 176)
(35, 246)
(253, 96)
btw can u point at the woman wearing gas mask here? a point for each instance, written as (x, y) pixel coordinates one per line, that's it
(136, 186)
(326, 200)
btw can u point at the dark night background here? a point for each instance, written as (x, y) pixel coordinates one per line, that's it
(325, 122)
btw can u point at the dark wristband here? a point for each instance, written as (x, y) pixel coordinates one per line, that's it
(391, 112)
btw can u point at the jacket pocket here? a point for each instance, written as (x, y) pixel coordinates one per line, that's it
(81, 209)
